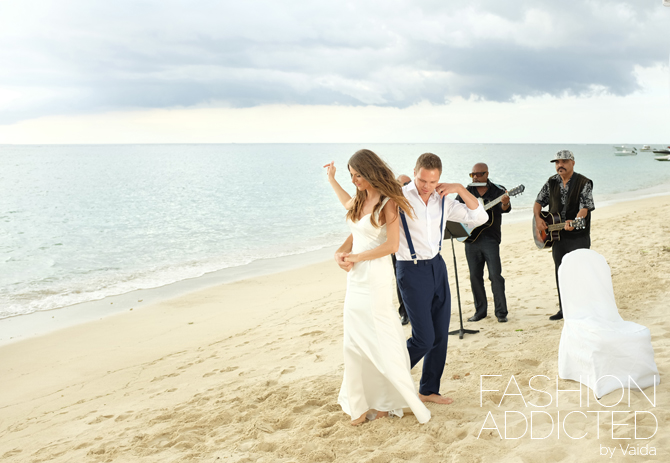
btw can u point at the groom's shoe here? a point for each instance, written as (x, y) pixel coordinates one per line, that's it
(558, 316)
(476, 318)
(404, 318)
(502, 319)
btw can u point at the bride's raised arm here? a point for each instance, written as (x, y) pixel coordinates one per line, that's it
(344, 197)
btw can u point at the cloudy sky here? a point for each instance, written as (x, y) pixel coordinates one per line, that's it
(580, 71)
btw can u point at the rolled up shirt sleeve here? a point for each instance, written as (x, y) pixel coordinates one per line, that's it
(459, 212)
(543, 196)
(586, 197)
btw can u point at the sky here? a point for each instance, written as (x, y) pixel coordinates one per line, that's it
(322, 71)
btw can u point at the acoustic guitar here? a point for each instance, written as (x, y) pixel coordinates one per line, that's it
(471, 238)
(546, 238)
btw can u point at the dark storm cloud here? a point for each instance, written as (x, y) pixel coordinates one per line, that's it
(82, 56)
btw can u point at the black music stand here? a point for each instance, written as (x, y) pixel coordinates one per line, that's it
(456, 230)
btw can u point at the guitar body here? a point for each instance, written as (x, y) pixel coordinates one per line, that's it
(468, 230)
(546, 239)
(472, 238)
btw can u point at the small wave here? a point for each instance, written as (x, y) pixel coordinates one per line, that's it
(45, 299)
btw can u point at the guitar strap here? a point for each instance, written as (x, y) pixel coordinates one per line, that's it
(409, 237)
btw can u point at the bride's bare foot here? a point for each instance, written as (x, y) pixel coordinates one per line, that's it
(436, 398)
(381, 415)
(359, 420)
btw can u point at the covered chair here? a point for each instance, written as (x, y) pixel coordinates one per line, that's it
(598, 348)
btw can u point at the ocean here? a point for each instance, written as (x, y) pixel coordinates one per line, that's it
(80, 223)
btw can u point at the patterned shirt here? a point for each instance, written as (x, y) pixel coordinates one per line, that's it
(585, 196)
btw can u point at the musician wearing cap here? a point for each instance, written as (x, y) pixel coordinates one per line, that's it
(483, 245)
(569, 196)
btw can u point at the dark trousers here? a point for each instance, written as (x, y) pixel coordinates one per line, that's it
(401, 307)
(486, 250)
(425, 291)
(564, 246)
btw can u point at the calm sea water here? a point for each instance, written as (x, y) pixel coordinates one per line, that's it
(79, 223)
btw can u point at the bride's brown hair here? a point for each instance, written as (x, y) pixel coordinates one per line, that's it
(380, 176)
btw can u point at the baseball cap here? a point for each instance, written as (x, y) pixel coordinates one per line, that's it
(563, 154)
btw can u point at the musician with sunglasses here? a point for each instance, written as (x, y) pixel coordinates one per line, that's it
(483, 246)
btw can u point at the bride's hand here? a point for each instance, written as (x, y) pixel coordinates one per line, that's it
(330, 169)
(339, 258)
(352, 258)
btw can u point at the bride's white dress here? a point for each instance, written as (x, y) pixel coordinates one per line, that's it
(376, 362)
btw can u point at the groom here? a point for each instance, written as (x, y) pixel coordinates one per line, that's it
(421, 271)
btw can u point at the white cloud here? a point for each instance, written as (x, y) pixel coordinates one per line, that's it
(85, 57)
(602, 118)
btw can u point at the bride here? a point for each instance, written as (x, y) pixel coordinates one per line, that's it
(377, 380)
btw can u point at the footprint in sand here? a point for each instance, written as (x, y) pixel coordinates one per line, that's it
(265, 427)
(124, 416)
(313, 333)
(330, 421)
(160, 378)
(246, 446)
(101, 418)
(287, 370)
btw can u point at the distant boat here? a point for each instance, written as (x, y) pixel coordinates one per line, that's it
(625, 152)
(619, 147)
(662, 158)
(663, 151)
(645, 148)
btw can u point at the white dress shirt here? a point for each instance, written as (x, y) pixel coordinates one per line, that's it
(425, 228)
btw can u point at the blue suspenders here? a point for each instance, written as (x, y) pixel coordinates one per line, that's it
(409, 238)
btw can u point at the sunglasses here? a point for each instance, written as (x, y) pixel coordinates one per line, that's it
(477, 174)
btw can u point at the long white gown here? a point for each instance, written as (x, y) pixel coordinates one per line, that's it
(376, 362)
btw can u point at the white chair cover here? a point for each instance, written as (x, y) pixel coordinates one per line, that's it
(598, 348)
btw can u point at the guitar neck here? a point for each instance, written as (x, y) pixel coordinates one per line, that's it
(493, 203)
(556, 226)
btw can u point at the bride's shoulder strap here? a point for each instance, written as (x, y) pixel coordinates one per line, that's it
(384, 201)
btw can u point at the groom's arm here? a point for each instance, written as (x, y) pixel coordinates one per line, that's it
(464, 213)
(465, 196)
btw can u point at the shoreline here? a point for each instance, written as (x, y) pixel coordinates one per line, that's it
(250, 371)
(25, 326)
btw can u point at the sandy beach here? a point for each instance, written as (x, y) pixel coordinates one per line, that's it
(250, 371)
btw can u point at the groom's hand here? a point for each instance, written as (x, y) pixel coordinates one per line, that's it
(339, 258)
(444, 189)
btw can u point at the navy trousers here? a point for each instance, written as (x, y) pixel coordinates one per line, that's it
(401, 306)
(425, 292)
